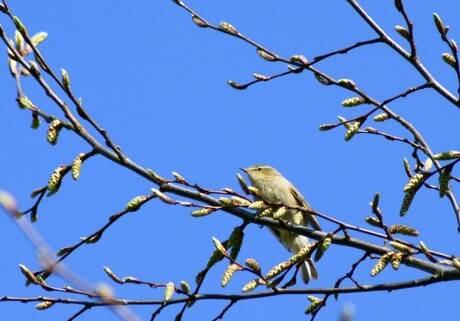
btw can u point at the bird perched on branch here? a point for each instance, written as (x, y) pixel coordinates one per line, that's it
(276, 189)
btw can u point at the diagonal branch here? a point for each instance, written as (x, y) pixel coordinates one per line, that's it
(413, 59)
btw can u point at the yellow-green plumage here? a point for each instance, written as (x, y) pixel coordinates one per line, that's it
(274, 188)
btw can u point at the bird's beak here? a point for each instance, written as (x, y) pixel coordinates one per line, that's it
(244, 169)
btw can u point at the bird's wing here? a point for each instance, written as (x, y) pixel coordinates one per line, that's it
(302, 202)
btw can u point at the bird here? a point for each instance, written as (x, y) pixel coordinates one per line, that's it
(276, 189)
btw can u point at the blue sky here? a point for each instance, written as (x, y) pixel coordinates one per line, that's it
(157, 84)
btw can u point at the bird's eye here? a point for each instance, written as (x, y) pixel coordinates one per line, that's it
(259, 168)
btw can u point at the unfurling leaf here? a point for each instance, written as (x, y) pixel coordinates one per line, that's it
(25, 102)
(21, 28)
(407, 167)
(179, 178)
(439, 24)
(19, 42)
(112, 275)
(220, 247)
(35, 121)
(157, 178)
(215, 257)
(427, 165)
(375, 202)
(235, 241)
(65, 79)
(28, 274)
(162, 196)
(38, 38)
(426, 251)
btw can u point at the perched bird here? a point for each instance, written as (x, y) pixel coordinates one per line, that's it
(274, 188)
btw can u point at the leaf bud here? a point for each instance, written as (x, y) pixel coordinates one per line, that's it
(449, 59)
(228, 28)
(403, 32)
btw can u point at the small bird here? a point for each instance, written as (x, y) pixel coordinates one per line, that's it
(274, 188)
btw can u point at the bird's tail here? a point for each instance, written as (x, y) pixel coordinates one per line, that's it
(308, 268)
(294, 243)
